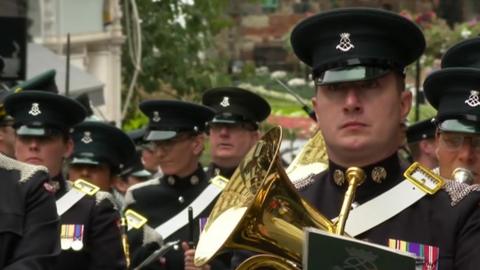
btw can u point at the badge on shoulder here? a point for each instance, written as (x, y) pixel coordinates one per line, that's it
(423, 178)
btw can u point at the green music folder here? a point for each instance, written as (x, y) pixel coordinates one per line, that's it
(324, 251)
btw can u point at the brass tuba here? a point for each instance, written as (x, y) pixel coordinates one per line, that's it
(260, 210)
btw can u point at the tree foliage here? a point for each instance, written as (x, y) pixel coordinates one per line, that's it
(179, 59)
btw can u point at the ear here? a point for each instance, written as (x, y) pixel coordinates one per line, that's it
(68, 148)
(315, 109)
(198, 144)
(405, 103)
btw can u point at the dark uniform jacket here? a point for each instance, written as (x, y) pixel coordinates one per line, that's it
(214, 170)
(449, 220)
(161, 199)
(102, 246)
(29, 224)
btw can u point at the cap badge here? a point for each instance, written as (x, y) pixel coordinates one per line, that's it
(156, 117)
(225, 102)
(345, 44)
(35, 110)
(473, 100)
(87, 137)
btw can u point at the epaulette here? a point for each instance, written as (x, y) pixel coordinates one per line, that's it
(102, 195)
(457, 191)
(26, 170)
(129, 196)
(304, 182)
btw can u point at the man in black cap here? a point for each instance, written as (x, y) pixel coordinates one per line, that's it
(421, 142)
(452, 91)
(29, 221)
(233, 131)
(234, 128)
(89, 236)
(357, 57)
(176, 130)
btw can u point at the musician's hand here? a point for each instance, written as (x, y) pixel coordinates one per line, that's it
(189, 255)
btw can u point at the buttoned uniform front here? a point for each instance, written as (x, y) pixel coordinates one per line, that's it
(161, 199)
(39, 113)
(434, 220)
(102, 246)
(357, 44)
(29, 222)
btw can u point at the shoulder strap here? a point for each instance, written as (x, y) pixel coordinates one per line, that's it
(208, 195)
(79, 189)
(419, 182)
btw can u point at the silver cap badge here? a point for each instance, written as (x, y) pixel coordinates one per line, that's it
(473, 100)
(87, 137)
(345, 44)
(156, 117)
(35, 110)
(225, 102)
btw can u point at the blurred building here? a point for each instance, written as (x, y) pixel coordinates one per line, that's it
(96, 39)
(261, 28)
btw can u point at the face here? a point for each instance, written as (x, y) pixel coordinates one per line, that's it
(98, 175)
(362, 121)
(179, 156)
(49, 151)
(455, 150)
(149, 160)
(229, 143)
(7, 140)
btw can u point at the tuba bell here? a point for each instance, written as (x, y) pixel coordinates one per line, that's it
(260, 210)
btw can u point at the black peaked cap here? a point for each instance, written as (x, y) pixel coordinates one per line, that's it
(233, 104)
(39, 109)
(166, 118)
(463, 54)
(453, 92)
(421, 130)
(374, 37)
(97, 142)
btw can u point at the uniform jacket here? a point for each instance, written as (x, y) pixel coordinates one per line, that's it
(161, 199)
(102, 247)
(449, 219)
(29, 225)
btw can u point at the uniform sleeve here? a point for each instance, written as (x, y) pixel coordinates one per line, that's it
(468, 247)
(40, 243)
(105, 238)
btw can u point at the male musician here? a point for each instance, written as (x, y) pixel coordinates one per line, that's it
(89, 236)
(176, 130)
(421, 142)
(233, 131)
(234, 128)
(358, 57)
(452, 91)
